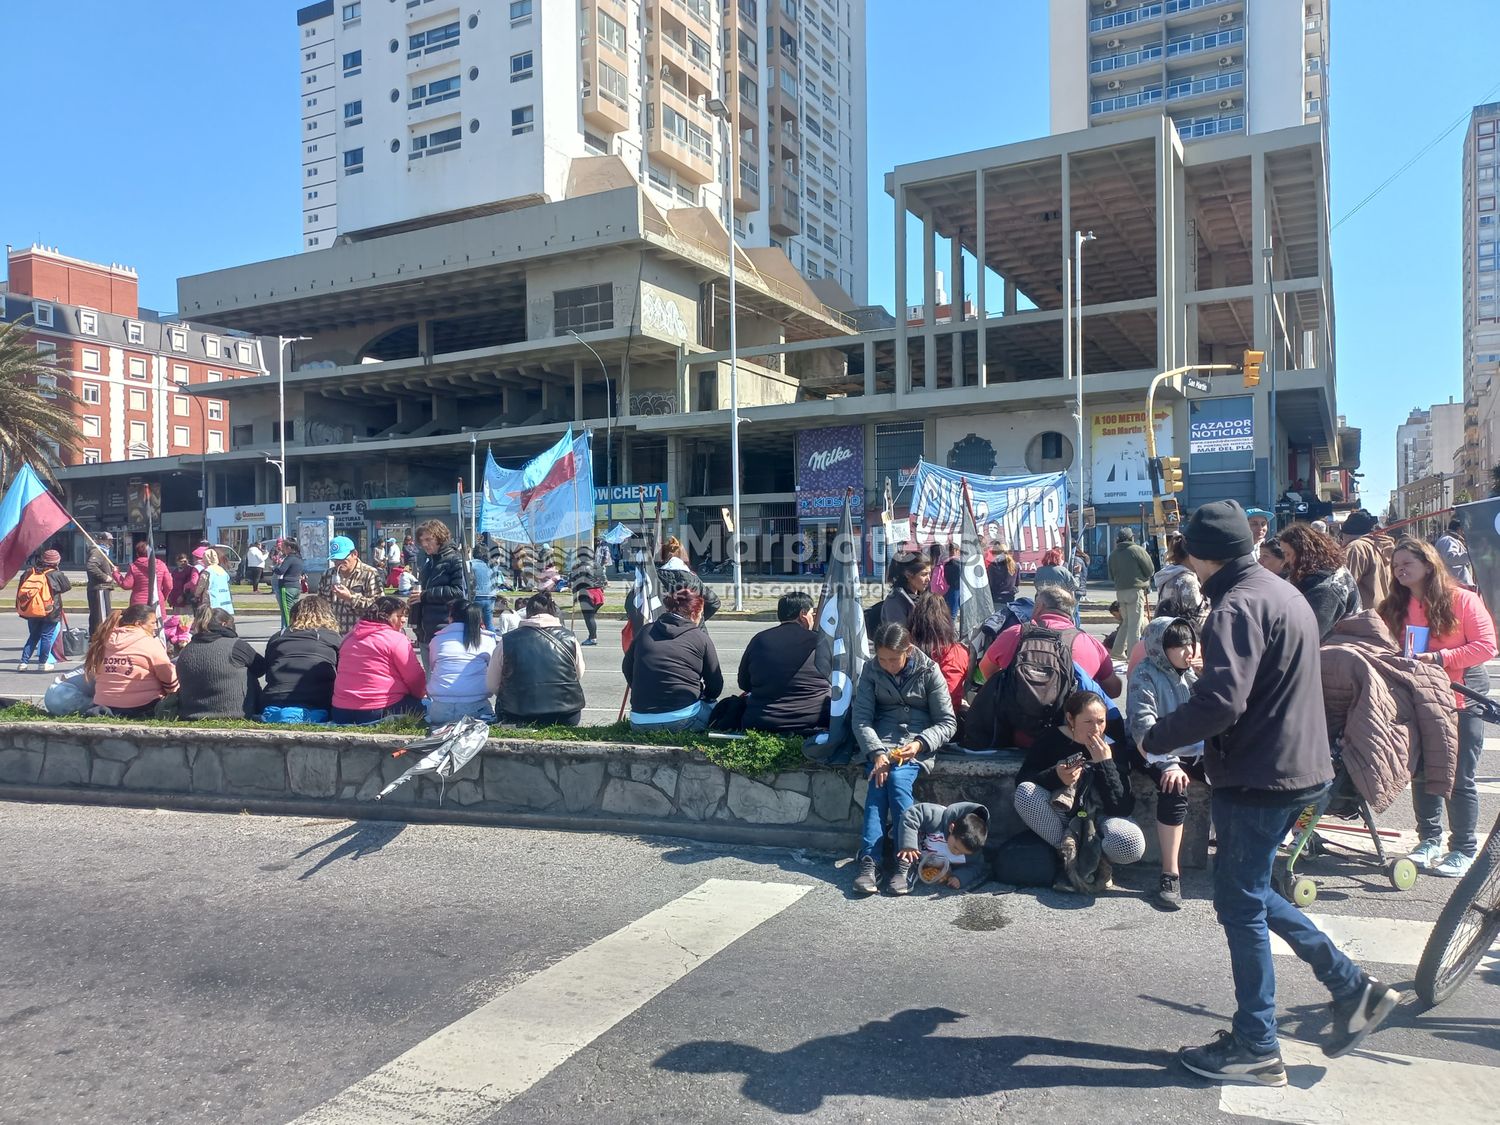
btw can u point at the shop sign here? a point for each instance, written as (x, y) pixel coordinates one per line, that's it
(829, 462)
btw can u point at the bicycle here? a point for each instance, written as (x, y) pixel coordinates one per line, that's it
(1470, 922)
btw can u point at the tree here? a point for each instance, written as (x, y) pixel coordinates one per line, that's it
(36, 416)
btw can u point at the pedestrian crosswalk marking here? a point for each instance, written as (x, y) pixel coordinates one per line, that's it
(1368, 1086)
(469, 1069)
(1384, 941)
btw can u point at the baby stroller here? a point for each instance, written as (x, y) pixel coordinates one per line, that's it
(1344, 804)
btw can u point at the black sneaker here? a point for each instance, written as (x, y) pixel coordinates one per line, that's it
(900, 883)
(1356, 1017)
(1169, 893)
(867, 882)
(1226, 1060)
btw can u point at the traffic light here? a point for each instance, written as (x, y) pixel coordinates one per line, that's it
(1171, 474)
(1251, 366)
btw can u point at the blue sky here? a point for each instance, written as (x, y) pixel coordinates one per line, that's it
(165, 134)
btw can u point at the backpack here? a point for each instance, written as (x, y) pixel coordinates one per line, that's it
(938, 584)
(1039, 679)
(34, 595)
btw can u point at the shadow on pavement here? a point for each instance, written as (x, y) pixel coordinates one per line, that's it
(362, 838)
(900, 1059)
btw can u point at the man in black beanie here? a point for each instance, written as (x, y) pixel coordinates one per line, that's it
(1258, 708)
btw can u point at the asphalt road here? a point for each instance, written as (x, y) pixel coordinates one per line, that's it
(200, 968)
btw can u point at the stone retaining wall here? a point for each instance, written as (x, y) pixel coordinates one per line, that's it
(654, 790)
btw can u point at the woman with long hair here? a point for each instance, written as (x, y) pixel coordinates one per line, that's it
(675, 574)
(910, 575)
(442, 581)
(1315, 565)
(932, 630)
(673, 669)
(219, 596)
(128, 664)
(301, 663)
(1439, 622)
(1003, 575)
(459, 658)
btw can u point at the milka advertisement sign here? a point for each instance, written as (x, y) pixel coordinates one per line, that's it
(829, 462)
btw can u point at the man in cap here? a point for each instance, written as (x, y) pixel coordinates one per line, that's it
(348, 583)
(1130, 570)
(1367, 555)
(1258, 708)
(100, 569)
(1260, 526)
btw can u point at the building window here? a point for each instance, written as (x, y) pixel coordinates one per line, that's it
(438, 90)
(46, 349)
(137, 367)
(88, 322)
(180, 435)
(353, 60)
(898, 449)
(589, 309)
(434, 39)
(46, 386)
(91, 394)
(92, 457)
(179, 373)
(611, 31)
(216, 441)
(354, 112)
(137, 433)
(443, 140)
(1486, 144)
(216, 412)
(211, 346)
(90, 359)
(612, 86)
(215, 376)
(91, 425)
(180, 405)
(521, 66)
(179, 339)
(247, 356)
(522, 120)
(520, 12)
(42, 312)
(749, 91)
(354, 161)
(137, 400)
(351, 12)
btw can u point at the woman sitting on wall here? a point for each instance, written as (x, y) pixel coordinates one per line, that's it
(128, 664)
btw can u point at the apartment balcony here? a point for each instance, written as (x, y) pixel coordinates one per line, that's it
(1229, 42)
(782, 201)
(1191, 128)
(1123, 63)
(690, 156)
(603, 108)
(1113, 15)
(1225, 86)
(747, 189)
(1120, 103)
(697, 13)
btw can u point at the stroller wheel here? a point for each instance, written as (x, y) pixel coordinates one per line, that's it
(1304, 893)
(1403, 874)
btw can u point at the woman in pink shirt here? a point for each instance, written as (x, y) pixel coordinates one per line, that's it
(1451, 627)
(379, 674)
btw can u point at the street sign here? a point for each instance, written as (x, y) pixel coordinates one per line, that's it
(1195, 383)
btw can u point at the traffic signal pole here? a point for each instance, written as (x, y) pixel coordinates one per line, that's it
(1158, 509)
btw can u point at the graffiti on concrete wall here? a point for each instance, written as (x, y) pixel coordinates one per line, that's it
(653, 402)
(662, 315)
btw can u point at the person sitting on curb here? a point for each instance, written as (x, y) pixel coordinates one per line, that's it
(672, 668)
(536, 670)
(902, 714)
(459, 656)
(129, 665)
(219, 674)
(379, 674)
(302, 662)
(953, 837)
(785, 670)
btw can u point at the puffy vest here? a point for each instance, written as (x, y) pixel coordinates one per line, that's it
(540, 674)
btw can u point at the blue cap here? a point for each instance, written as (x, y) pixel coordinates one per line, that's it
(1261, 512)
(340, 547)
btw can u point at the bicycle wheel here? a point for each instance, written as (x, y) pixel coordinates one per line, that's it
(1465, 929)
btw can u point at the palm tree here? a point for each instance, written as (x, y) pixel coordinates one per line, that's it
(33, 422)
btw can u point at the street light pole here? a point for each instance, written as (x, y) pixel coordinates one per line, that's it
(284, 351)
(1269, 255)
(609, 418)
(1079, 238)
(718, 108)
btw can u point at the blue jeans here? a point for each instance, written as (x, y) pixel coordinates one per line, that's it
(441, 711)
(894, 797)
(1246, 905)
(40, 637)
(1463, 805)
(486, 604)
(952, 597)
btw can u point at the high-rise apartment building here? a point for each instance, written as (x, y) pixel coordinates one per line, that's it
(1481, 325)
(422, 111)
(1213, 66)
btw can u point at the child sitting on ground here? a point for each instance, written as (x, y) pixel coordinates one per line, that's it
(931, 835)
(1158, 686)
(1109, 640)
(506, 618)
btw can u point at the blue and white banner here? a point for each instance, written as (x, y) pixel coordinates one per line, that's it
(550, 497)
(1027, 514)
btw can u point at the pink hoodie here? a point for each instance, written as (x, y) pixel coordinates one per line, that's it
(377, 668)
(1470, 647)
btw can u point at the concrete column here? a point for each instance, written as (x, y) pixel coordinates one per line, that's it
(674, 474)
(622, 390)
(684, 400)
(424, 338)
(903, 360)
(869, 367)
(578, 390)
(1067, 266)
(623, 442)
(929, 303)
(1010, 298)
(981, 255)
(956, 297)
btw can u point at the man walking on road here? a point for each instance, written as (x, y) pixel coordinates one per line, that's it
(1130, 570)
(1258, 707)
(100, 569)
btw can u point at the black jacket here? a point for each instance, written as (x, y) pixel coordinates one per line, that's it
(442, 582)
(1258, 703)
(1333, 596)
(673, 578)
(220, 677)
(786, 671)
(100, 569)
(1104, 787)
(1002, 583)
(300, 669)
(671, 664)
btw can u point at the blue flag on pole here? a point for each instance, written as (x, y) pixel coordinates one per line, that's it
(550, 497)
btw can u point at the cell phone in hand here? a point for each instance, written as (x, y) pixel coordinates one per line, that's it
(1075, 761)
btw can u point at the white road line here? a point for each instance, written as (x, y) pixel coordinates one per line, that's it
(1385, 941)
(1367, 1086)
(476, 1064)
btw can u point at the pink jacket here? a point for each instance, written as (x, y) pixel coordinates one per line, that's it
(1472, 645)
(136, 671)
(378, 668)
(138, 581)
